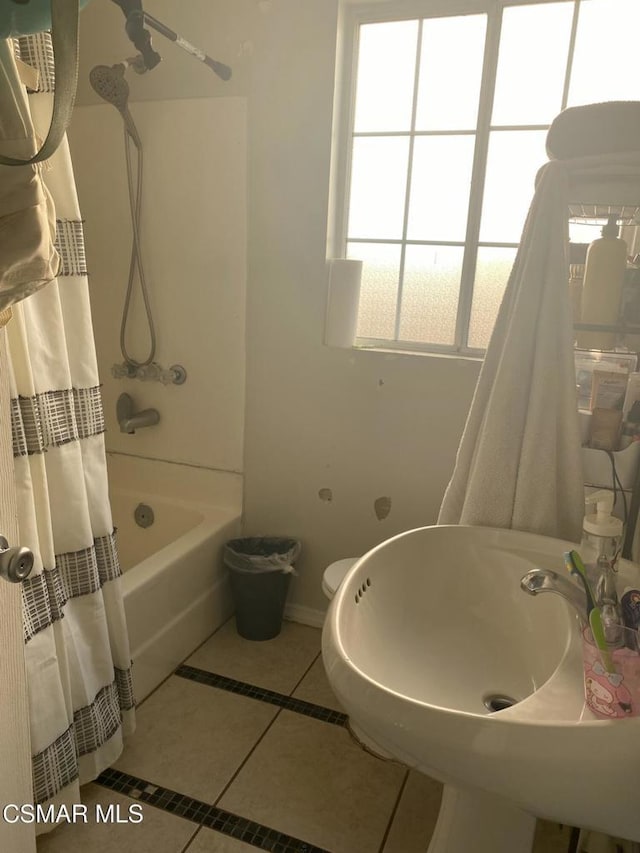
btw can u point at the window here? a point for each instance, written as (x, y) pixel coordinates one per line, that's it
(446, 131)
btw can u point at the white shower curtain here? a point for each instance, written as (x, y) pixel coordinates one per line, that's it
(76, 643)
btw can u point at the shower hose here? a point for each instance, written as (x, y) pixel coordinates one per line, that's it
(135, 204)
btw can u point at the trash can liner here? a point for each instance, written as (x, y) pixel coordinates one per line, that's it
(260, 573)
(262, 554)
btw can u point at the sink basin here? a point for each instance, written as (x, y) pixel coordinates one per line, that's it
(444, 662)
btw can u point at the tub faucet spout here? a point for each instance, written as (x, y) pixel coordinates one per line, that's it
(544, 580)
(129, 420)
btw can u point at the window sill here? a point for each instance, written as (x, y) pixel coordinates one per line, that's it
(396, 348)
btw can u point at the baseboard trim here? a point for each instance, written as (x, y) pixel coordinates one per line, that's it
(304, 615)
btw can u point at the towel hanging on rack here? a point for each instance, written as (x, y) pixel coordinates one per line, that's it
(593, 129)
(519, 463)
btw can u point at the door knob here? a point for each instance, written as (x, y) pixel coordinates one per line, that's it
(15, 563)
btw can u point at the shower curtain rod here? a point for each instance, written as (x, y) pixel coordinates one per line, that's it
(137, 18)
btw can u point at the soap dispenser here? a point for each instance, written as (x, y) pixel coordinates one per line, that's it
(605, 267)
(601, 542)
(601, 530)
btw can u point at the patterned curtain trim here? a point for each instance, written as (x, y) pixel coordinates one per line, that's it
(95, 724)
(36, 50)
(70, 246)
(39, 423)
(54, 418)
(76, 573)
(57, 766)
(124, 685)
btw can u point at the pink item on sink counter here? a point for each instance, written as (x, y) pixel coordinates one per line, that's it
(612, 695)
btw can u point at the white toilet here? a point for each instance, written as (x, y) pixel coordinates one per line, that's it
(334, 575)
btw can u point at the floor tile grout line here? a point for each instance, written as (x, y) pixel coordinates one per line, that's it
(229, 824)
(394, 811)
(138, 705)
(246, 758)
(191, 840)
(164, 680)
(281, 698)
(283, 703)
(204, 642)
(271, 697)
(305, 673)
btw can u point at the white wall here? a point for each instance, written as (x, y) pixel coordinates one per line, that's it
(363, 425)
(194, 250)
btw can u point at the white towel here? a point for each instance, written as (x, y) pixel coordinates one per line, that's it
(519, 462)
(28, 258)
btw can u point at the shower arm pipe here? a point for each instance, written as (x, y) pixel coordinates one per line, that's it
(136, 18)
(223, 71)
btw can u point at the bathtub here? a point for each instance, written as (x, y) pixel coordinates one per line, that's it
(176, 589)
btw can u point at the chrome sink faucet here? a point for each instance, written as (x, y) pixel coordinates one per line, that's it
(129, 420)
(544, 580)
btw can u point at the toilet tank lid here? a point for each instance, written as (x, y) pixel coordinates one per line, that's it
(335, 572)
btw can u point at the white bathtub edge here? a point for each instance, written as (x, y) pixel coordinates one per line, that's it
(149, 568)
(156, 659)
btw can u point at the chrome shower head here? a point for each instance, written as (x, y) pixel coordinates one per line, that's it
(108, 81)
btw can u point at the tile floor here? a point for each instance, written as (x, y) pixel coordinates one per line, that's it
(257, 757)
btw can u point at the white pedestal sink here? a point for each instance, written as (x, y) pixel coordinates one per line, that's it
(429, 626)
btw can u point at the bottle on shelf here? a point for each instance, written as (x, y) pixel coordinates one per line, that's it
(602, 534)
(576, 282)
(630, 304)
(577, 258)
(602, 288)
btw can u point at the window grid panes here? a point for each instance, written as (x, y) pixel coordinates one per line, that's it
(429, 147)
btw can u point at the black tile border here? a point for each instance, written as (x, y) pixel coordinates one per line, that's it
(242, 688)
(241, 828)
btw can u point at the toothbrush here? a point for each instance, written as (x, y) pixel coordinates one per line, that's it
(575, 566)
(595, 622)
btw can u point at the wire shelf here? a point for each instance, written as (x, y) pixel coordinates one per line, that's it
(628, 214)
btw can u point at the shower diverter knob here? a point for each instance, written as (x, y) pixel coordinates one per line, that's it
(15, 563)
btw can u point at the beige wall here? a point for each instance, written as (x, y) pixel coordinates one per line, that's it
(194, 249)
(363, 425)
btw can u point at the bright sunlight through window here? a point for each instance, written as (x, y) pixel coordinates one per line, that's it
(449, 122)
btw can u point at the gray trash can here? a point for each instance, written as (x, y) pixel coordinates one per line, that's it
(260, 572)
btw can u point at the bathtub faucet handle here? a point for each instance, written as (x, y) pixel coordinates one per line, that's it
(129, 420)
(152, 372)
